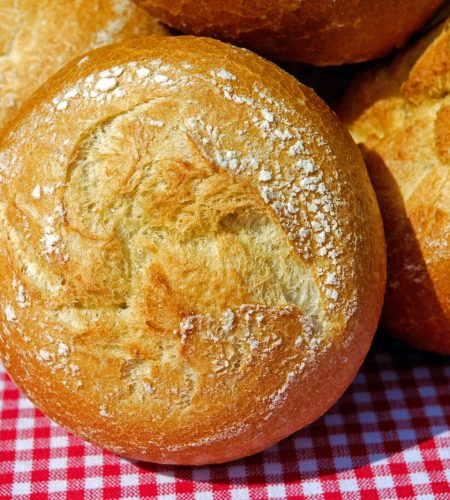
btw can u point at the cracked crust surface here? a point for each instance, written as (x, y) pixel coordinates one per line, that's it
(194, 258)
(39, 37)
(325, 32)
(400, 114)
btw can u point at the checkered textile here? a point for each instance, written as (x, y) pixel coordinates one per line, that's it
(388, 437)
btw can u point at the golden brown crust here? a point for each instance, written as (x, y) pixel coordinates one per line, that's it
(401, 115)
(38, 38)
(194, 255)
(321, 32)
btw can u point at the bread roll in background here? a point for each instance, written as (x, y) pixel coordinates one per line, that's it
(400, 113)
(320, 32)
(38, 38)
(193, 255)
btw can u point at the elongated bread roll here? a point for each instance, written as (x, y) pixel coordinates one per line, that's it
(193, 257)
(37, 38)
(401, 115)
(320, 32)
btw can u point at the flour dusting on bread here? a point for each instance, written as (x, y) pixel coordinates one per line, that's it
(193, 245)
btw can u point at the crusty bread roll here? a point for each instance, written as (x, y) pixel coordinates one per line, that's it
(193, 258)
(38, 38)
(321, 32)
(401, 115)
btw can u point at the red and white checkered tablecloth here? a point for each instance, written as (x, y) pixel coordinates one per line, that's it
(388, 437)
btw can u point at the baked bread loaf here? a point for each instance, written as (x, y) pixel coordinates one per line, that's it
(400, 113)
(38, 38)
(193, 255)
(321, 32)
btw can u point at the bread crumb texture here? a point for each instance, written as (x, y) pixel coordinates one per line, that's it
(38, 38)
(401, 116)
(192, 254)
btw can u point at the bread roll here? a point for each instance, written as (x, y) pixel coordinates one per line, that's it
(400, 113)
(321, 32)
(38, 38)
(193, 255)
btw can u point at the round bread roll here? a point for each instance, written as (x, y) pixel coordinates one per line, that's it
(38, 38)
(400, 113)
(193, 255)
(321, 32)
